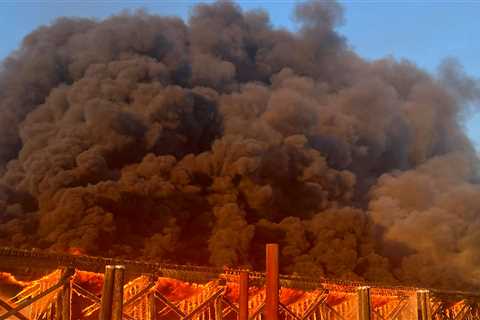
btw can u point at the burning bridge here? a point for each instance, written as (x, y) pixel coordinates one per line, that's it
(83, 287)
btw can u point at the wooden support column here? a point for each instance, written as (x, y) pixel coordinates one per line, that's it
(218, 309)
(423, 305)
(66, 301)
(117, 297)
(58, 307)
(272, 282)
(151, 307)
(243, 296)
(364, 303)
(25, 303)
(107, 294)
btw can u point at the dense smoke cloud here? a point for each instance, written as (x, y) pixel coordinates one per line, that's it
(143, 136)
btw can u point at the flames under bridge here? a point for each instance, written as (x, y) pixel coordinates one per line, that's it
(83, 287)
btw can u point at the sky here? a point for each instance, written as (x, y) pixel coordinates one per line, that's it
(425, 32)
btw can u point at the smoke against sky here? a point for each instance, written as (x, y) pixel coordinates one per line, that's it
(404, 30)
(143, 136)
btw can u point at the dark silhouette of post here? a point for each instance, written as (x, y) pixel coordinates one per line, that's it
(243, 296)
(117, 297)
(364, 303)
(272, 283)
(66, 301)
(151, 307)
(107, 294)
(423, 305)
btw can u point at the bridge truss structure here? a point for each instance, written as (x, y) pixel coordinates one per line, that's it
(70, 287)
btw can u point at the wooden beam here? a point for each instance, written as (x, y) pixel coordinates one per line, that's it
(289, 312)
(31, 300)
(66, 300)
(272, 282)
(173, 307)
(139, 294)
(398, 308)
(107, 293)
(218, 308)
(229, 304)
(320, 299)
(364, 303)
(7, 307)
(423, 305)
(86, 293)
(257, 311)
(203, 304)
(58, 307)
(335, 312)
(151, 307)
(243, 296)
(117, 296)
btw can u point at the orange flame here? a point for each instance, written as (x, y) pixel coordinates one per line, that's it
(233, 292)
(335, 298)
(289, 295)
(76, 251)
(177, 290)
(380, 301)
(90, 281)
(9, 279)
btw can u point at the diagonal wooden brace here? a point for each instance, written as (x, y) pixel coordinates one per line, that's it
(64, 279)
(319, 300)
(230, 304)
(140, 294)
(204, 304)
(257, 311)
(167, 302)
(288, 311)
(7, 307)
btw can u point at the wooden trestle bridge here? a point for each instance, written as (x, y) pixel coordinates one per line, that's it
(84, 287)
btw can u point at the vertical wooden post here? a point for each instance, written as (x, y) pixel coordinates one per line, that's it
(66, 301)
(364, 303)
(218, 309)
(107, 294)
(423, 305)
(151, 307)
(63, 300)
(51, 311)
(58, 306)
(117, 297)
(66, 297)
(272, 283)
(243, 296)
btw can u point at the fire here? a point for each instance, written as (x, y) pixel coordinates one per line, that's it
(380, 301)
(177, 290)
(233, 292)
(335, 298)
(75, 251)
(90, 281)
(289, 295)
(9, 279)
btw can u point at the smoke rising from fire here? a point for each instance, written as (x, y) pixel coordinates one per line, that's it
(145, 136)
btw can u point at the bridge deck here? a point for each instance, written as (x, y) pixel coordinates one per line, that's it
(34, 263)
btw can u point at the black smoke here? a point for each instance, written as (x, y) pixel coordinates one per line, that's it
(146, 136)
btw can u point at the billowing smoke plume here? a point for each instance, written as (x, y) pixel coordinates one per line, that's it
(143, 136)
